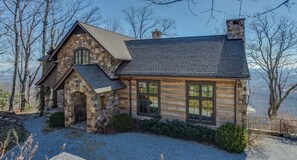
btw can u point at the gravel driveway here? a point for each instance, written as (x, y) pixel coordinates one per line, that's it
(136, 146)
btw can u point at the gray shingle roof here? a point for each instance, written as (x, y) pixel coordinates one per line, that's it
(203, 56)
(98, 79)
(95, 77)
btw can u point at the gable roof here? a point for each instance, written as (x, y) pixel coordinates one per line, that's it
(111, 41)
(95, 77)
(202, 56)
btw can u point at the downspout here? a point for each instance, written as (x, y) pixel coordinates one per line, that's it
(235, 101)
(130, 100)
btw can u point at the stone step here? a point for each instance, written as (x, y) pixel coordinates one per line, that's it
(79, 128)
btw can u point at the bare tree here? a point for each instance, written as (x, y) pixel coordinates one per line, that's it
(25, 23)
(273, 51)
(282, 3)
(113, 24)
(142, 20)
(167, 25)
(12, 7)
(93, 16)
(29, 20)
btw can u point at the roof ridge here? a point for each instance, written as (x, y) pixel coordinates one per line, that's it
(104, 29)
(186, 37)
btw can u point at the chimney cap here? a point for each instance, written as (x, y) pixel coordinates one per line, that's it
(235, 19)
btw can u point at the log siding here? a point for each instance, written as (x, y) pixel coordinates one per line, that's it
(173, 103)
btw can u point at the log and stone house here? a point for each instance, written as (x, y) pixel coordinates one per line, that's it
(94, 74)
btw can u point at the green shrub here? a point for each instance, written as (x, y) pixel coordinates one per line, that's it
(122, 122)
(232, 138)
(56, 119)
(179, 129)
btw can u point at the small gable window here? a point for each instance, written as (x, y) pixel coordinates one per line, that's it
(81, 56)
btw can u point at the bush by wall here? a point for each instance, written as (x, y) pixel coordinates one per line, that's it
(56, 120)
(232, 138)
(178, 129)
(122, 122)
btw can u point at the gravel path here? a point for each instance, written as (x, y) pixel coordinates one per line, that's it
(136, 146)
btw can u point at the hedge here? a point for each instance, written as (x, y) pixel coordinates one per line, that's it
(122, 123)
(178, 129)
(232, 138)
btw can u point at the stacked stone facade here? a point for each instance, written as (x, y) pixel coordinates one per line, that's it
(98, 117)
(98, 55)
(105, 113)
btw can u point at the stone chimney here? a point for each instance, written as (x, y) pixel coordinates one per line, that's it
(157, 34)
(235, 28)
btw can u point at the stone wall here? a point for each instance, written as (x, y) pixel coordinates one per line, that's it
(98, 117)
(241, 102)
(106, 112)
(97, 54)
(74, 83)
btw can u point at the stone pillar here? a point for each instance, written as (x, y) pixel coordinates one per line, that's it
(241, 102)
(105, 114)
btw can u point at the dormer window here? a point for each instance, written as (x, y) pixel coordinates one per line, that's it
(81, 56)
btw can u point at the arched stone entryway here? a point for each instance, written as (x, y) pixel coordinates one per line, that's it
(79, 101)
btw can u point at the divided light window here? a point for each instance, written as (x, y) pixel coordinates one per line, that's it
(81, 56)
(201, 102)
(148, 98)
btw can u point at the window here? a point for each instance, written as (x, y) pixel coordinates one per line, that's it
(102, 102)
(81, 56)
(201, 102)
(148, 101)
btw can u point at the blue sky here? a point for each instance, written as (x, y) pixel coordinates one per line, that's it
(190, 25)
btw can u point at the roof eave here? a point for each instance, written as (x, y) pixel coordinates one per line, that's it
(187, 76)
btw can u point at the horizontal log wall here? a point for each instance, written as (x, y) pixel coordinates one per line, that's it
(173, 98)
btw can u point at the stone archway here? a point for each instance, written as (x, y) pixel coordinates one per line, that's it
(79, 101)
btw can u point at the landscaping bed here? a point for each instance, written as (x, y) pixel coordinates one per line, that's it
(230, 137)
